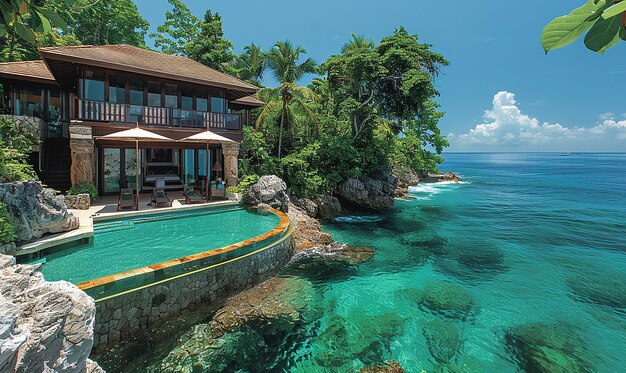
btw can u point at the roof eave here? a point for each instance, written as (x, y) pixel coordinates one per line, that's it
(50, 54)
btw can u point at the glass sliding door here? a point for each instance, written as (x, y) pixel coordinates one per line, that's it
(189, 159)
(111, 170)
(130, 168)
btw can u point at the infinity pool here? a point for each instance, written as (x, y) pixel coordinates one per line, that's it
(125, 244)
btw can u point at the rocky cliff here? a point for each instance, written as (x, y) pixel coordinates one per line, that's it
(370, 193)
(35, 210)
(44, 326)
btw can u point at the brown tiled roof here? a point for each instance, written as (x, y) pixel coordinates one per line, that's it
(27, 70)
(248, 101)
(129, 58)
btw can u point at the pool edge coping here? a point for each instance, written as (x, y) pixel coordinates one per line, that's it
(282, 226)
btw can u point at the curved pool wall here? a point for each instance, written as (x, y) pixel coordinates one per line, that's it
(138, 300)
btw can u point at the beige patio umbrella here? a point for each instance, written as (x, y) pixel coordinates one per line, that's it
(207, 137)
(136, 134)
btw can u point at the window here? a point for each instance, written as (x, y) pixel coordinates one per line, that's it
(202, 100)
(117, 89)
(171, 96)
(91, 86)
(136, 100)
(154, 94)
(218, 105)
(29, 102)
(186, 98)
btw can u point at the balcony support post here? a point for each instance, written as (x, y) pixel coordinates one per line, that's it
(231, 166)
(82, 147)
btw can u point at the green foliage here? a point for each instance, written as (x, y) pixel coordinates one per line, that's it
(86, 188)
(180, 29)
(15, 145)
(605, 21)
(250, 65)
(201, 40)
(7, 232)
(23, 19)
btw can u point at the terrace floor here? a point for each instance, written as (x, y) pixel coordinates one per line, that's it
(106, 207)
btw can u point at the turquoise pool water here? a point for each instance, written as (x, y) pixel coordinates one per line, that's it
(525, 259)
(126, 244)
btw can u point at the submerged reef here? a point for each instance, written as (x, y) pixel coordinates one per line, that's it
(443, 338)
(609, 291)
(547, 348)
(443, 298)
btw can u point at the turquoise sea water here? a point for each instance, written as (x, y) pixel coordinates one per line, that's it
(131, 243)
(524, 263)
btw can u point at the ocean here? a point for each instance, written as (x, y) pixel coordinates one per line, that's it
(520, 267)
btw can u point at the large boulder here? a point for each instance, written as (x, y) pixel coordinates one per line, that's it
(269, 190)
(328, 207)
(35, 210)
(306, 205)
(370, 193)
(44, 326)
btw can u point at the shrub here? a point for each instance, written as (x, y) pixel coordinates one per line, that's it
(86, 188)
(15, 145)
(7, 232)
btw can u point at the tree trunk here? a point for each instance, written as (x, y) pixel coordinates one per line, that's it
(282, 126)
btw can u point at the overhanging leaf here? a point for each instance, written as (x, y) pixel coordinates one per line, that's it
(54, 18)
(45, 23)
(604, 34)
(564, 30)
(24, 32)
(614, 10)
(622, 33)
(7, 13)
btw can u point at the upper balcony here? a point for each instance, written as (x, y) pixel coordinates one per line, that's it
(102, 111)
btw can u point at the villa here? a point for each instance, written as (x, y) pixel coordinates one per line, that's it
(75, 95)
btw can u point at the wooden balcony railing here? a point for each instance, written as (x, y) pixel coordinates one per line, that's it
(104, 111)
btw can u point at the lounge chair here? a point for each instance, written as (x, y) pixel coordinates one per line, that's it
(159, 197)
(127, 199)
(191, 196)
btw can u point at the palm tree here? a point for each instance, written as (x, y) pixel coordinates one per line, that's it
(357, 42)
(251, 64)
(282, 60)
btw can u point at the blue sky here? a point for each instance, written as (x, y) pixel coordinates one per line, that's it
(500, 92)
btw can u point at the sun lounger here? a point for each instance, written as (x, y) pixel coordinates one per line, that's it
(127, 199)
(159, 198)
(191, 196)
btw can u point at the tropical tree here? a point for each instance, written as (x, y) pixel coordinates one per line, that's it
(288, 98)
(23, 22)
(250, 65)
(180, 29)
(358, 42)
(604, 21)
(210, 47)
(104, 22)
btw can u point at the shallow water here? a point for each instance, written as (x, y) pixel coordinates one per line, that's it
(526, 239)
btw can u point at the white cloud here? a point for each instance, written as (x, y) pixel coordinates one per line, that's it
(506, 127)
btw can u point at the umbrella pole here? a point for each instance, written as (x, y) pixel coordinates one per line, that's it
(206, 180)
(137, 170)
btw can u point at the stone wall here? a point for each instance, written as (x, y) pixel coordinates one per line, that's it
(120, 318)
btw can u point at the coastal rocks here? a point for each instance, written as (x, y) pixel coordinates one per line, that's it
(35, 210)
(443, 339)
(307, 231)
(371, 193)
(78, 201)
(270, 190)
(440, 177)
(547, 348)
(45, 326)
(446, 299)
(328, 207)
(277, 302)
(406, 179)
(307, 205)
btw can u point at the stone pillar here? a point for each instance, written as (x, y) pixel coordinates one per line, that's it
(83, 169)
(231, 166)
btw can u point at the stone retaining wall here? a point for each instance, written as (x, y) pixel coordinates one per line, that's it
(78, 201)
(123, 316)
